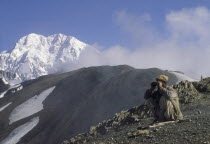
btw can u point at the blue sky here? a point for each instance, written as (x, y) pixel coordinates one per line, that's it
(91, 21)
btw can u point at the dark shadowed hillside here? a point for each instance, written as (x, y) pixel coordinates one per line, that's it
(80, 99)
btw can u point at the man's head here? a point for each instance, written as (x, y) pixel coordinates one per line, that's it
(162, 80)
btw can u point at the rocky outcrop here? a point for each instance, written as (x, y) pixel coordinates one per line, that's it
(203, 85)
(186, 91)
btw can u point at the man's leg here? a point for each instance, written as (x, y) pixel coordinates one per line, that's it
(166, 109)
(169, 114)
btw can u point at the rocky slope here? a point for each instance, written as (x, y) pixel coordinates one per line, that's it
(7, 75)
(59, 106)
(35, 55)
(11, 78)
(131, 126)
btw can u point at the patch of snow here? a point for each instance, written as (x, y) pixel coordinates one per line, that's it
(5, 81)
(2, 108)
(181, 77)
(18, 86)
(15, 82)
(15, 86)
(18, 89)
(15, 136)
(2, 94)
(30, 107)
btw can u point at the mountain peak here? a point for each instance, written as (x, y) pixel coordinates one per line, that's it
(35, 55)
(59, 35)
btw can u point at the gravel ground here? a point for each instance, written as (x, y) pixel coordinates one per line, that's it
(195, 129)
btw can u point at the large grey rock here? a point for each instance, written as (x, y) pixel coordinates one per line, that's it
(186, 91)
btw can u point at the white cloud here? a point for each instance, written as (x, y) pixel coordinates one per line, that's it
(190, 25)
(138, 27)
(183, 46)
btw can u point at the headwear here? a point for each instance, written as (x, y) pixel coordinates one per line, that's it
(163, 78)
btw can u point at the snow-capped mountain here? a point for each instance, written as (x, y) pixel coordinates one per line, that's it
(36, 55)
(11, 78)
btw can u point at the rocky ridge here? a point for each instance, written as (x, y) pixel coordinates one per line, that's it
(195, 104)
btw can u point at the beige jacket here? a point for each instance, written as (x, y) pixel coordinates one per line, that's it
(171, 95)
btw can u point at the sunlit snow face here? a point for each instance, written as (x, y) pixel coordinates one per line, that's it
(36, 55)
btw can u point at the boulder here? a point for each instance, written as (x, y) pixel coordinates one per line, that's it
(186, 91)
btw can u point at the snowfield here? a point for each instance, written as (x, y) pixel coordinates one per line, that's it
(2, 108)
(30, 107)
(15, 136)
(181, 77)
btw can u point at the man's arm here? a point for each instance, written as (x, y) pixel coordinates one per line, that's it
(150, 92)
(169, 93)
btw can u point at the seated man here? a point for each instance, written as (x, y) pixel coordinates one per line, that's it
(169, 101)
(163, 101)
